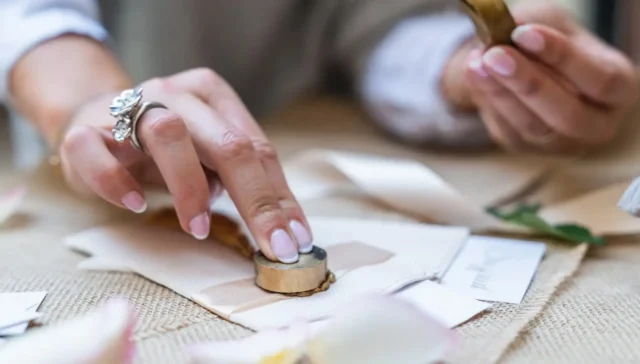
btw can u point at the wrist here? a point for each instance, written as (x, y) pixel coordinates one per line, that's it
(52, 81)
(453, 84)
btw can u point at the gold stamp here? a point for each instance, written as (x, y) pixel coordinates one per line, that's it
(308, 274)
(493, 20)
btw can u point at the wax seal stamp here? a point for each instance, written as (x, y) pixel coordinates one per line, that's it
(307, 275)
(493, 20)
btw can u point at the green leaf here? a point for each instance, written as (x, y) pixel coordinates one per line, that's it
(527, 216)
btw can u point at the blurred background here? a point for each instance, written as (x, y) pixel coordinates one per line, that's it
(616, 21)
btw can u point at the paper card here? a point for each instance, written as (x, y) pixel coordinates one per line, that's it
(366, 256)
(10, 201)
(25, 304)
(442, 303)
(494, 269)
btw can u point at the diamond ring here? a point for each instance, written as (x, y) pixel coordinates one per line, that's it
(128, 108)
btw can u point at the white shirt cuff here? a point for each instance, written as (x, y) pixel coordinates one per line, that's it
(27, 31)
(401, 87)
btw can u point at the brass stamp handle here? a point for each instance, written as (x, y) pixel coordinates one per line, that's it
(493, 20)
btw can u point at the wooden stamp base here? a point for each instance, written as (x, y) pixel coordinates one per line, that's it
(306, 275)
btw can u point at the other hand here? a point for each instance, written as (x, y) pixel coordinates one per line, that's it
(561, 90)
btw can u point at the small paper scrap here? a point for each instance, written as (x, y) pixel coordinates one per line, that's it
(495, 269)
(100, 336)
(10, 201)
(17, 309)
(442, 303)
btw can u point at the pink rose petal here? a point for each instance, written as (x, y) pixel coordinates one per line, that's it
(10, 201)
(99, 337)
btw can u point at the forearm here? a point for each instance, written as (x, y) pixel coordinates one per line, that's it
(48, 83)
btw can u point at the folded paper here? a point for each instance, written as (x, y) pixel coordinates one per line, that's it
(367, 256)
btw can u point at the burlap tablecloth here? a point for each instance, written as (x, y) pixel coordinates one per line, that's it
(591, 317)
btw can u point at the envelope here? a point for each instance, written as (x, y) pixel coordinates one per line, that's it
(367, 256)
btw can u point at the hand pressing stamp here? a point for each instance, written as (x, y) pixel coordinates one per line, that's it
(493, 20)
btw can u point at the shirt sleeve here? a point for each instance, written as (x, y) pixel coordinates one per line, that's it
(401, 85)
(24, 24)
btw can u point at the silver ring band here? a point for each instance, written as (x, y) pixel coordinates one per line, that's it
(127, 109)
(146, 106)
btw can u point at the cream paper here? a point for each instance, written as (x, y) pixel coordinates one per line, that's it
(413, 189)
(367, 256)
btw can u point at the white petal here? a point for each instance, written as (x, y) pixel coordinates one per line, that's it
(10, 201)
(100, 337)
(254, 349)
(381, 330)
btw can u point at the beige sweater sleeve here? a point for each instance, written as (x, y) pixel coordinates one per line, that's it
(394, 52)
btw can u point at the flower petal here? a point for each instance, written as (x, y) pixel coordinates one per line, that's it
(100, 337)
(10, 201)
(283, 346)
(381, 330)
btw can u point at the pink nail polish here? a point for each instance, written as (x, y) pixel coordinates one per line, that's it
(302, 236)
(500, 62)
(283, 247)
(134, 202)
(477, 68)
(528, 38)
(199, 226)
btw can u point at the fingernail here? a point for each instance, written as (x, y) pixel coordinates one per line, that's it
(283, 247)
(134, 202)
(302, 236)
(528, 38)
(501, 62)
(199, 226)
(477, 68)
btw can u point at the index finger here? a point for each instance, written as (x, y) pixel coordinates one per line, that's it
(213, 90)
(598, 71)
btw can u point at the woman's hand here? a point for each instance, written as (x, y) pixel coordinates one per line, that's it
(562, 90)
(205, 140)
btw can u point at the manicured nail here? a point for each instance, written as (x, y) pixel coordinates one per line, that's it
(134, 202)
(528, 38)
(283, 247)
(302, 236)
(199, 226)
(500, 61)
(477, 68)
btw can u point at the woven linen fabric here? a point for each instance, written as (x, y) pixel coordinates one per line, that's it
(594, 318)
(33, 258)
(576, 325)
